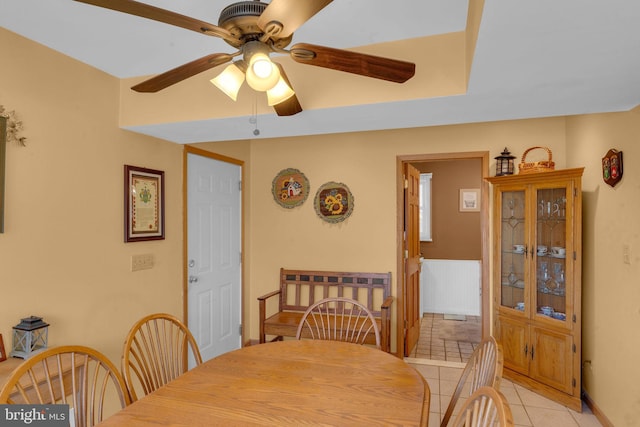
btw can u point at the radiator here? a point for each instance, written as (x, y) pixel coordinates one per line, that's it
(450, 286)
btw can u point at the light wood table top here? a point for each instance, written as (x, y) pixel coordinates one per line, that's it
(288, 383)
(7, 367)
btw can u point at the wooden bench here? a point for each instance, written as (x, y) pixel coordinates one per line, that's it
(300, 288)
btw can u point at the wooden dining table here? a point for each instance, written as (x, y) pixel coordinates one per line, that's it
(288, 383)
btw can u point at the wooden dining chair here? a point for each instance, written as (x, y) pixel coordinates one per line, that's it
(486, 407)
(78, 376)
(339, 319)
(155, 352)
(484, 368)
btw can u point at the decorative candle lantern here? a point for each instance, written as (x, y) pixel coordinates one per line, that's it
(504, 163)
(29, 337)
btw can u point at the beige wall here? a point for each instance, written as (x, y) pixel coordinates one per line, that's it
(366, 162)
(62, 254)
(611, 289)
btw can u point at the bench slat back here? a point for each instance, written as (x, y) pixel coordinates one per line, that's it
(301, 288)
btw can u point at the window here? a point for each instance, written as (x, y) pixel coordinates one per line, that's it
(425, 207)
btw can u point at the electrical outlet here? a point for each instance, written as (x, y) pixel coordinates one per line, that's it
(141, 262)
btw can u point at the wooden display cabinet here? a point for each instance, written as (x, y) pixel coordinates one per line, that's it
(537, 225)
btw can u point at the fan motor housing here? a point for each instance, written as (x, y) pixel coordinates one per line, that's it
(241, 20)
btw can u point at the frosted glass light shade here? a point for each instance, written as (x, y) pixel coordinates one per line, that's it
(279, 93)
(262, 74)
(229, 81)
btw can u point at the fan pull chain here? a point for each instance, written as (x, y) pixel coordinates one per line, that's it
(254, 116)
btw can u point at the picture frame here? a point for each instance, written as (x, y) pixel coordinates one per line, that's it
(143, 204)
(469, 200)
(3, 354)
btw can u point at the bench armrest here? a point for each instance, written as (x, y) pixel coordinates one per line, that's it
(263, 312)
(386, 304)
(269, 295)
(385, 324)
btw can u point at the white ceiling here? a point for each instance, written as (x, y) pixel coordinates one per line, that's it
(533, 58)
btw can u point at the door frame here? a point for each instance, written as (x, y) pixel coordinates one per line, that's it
(189, 149)
(483, 156)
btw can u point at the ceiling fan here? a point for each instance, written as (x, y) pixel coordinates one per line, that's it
(257, 29)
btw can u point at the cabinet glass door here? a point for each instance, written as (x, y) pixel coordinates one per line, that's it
(551, 252)
(513, 250)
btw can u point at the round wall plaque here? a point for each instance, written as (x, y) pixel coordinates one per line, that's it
(290, 188)
(333, 202)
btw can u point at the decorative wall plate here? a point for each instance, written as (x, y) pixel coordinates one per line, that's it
(333, 202)
(290, 188)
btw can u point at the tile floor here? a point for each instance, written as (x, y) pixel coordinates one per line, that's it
(443, 349)
(528, 408)
(448, 340)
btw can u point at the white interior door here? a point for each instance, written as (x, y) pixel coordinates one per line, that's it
(214, 257)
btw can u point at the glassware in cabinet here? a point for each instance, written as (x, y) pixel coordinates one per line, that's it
(551, 243)
(513, 250)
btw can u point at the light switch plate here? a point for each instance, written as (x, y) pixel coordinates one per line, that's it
(141, 262)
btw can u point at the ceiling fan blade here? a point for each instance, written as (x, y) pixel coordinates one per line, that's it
(353, 62)
(162, 15)
(289, 106)
(288, 15)
(171, 77)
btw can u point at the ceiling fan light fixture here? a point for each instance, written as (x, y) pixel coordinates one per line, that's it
(262, 74)
(279, 93)
(229, 81)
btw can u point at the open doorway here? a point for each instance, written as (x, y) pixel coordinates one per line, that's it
(461, 252)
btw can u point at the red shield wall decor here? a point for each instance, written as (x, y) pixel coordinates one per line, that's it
(612, 167)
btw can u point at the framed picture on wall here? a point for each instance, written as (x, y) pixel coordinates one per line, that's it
(143, 204)
(469, 200)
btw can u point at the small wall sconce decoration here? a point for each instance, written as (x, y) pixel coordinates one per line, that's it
(30, 336)
(612, 167)
(504, 163)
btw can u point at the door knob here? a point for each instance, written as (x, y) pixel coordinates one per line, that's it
(193, 279)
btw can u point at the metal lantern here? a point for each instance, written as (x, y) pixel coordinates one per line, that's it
(29, 337)
(504, 163)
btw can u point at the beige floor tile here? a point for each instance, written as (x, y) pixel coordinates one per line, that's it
(543, 417)
(451, 374)
(511, 394)
(520, 416)
(434, 419)
(586, 418)
(434, 404)
(447, 387)
(427, 371)
(434, 386)
(531, 399)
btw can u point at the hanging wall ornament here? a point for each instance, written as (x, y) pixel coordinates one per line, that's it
(333, 202)
(612, 167)
(290, 188)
